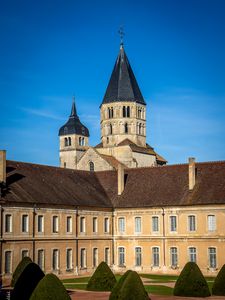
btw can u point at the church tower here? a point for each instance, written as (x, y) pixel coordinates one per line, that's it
(123, 109)
(73, 138)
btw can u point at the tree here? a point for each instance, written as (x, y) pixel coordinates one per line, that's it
(27, 282)
(103, 279)
(191, 282)
(19, 269)
(129, 287)
(50, 288)
(218, 288)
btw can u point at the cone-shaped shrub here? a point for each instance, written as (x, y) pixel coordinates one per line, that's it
(50, 288)
(218, 288)
(118, 285)
(131, 287)
(19, 269)
(191, 282)
(103, 279)
(27, 282)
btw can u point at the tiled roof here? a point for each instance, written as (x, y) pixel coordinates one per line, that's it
(145, 187)
(123, 85)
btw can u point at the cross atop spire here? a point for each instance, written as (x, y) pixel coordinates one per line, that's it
(121, 33)
(73, 110)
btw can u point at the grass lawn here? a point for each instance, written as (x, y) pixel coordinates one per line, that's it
(76, 280)
(160, 278)
(159, 290)
(75, 286)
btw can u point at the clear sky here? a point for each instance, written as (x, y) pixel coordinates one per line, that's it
(52, 49)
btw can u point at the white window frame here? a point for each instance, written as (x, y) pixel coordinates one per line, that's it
(212, 258)
(55, 264)
(121, 224)
(191, 224)
(69, 259)
(121, 256)
(192, 253)
(211, 222)
(137, 225)
(155, 256)
(106, 225)
(174, 257)
(55, 224)
(107, 255)
(82, 224)
(8, 223)
(41, 259)
(68, 224)
(95, 225)
(138, 256)
(40, 223)
(172, 223)
(155, 226)
(8, 269)
(25, 223)
(83, 258)
(95, 257)
(24, 251)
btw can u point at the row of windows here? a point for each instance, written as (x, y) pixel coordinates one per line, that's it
(191, 223)
(173, 252)
(55, 224)
(55, 264)
(67, 141)
(126, 112)
(140, 128)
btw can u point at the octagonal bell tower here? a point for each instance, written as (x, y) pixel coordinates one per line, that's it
(123, 109)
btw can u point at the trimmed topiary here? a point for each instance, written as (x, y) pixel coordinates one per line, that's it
(19, 269)
(50, 288)
(218, 288)
(103, 279)
(191, 282)
(129, 287)
(27, 282)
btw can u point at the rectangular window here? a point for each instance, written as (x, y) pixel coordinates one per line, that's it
(83, 258)
(8, 262)
(41, 259)
(173, 257)
(24, 223)
(55, 224)
(68, 224)
(121, 256)
(95, 224)
(8, 223)
(155, 256)
(212, 257)
(191, 223)
(106, 225)
(40, 223)
(82, 224)
(121, 224)
(95, 257)
(69, 259)
(211, 222)
(173, 223)
(55, 260)
(24, 253)
(107, 258)
(137, 225)
(192, 254)
(138, 256)
(155, 224)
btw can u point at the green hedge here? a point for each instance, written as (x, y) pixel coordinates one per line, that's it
(27, 282)
(19, 269)
(50, 288)
(129, 287)
(218, 288)
(191, 282)
(103, 279)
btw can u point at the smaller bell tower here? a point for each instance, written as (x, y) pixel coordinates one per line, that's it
(73, 140)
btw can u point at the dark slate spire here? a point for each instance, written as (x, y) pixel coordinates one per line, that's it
(123, 85)
(73, 125)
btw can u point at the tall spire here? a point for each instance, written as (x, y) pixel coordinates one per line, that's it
(73, 109)
(123, 85)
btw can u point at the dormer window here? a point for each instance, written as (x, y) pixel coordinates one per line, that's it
(66, 142)
(69, 141)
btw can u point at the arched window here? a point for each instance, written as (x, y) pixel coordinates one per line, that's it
(107, 140)
(139, 129)
(124, 111)
(125, 128)
(69, 141)
(139, 112)
(83, 141)
(80, 141)
(128, 111)
(65, 142)
(91, 166)
(111, 112)
(110, 129)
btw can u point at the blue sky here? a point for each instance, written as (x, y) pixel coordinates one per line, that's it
(52, 49)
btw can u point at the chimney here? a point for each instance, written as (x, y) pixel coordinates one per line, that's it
(120, 179)
(192, 173)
